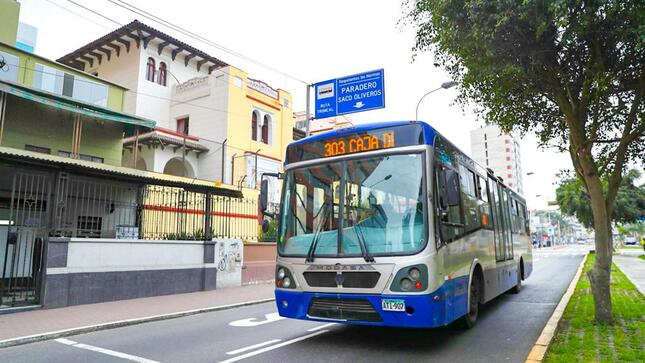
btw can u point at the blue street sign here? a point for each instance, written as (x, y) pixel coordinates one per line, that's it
(355, 93)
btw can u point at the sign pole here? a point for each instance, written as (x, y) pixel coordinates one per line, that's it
(307, 112)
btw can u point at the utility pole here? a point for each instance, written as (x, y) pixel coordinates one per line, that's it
(307, 111)
(224, 159)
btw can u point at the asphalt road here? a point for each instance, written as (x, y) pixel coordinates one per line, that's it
(506, 331)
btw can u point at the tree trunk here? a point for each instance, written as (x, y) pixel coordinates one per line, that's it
(600, 274)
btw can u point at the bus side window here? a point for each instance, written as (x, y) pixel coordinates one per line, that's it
(469, 197)
(449, 203)
(484, 206)
(523, 220)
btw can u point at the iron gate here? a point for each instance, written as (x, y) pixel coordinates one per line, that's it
(21, 259)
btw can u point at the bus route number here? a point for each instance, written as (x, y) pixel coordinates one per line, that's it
(358, 144)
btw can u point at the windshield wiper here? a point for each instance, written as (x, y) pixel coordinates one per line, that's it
(361, 242)
(314, 243)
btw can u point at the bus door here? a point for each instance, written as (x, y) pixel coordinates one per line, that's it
(508, 227)
(500, 237)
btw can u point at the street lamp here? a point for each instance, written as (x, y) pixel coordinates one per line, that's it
(444, 85)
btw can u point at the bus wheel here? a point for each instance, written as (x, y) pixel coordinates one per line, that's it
(518, 287)
(469, 320)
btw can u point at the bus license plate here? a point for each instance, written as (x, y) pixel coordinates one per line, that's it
(393, 304)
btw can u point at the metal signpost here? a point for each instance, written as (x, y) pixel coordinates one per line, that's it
(341, 96)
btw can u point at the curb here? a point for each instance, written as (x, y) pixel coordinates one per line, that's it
(542, 344)
(121, 323)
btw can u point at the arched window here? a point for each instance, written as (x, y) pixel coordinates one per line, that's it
(265, 129)
(150, 70)
(254, 126)
(161, 78)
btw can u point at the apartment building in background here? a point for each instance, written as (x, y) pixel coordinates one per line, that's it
(500, 152)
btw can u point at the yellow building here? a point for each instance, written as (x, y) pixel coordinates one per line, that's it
(253, 132)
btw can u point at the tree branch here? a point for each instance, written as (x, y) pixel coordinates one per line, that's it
(620, 152)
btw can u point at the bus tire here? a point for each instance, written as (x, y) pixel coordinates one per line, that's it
(518, 287)
(474, 297)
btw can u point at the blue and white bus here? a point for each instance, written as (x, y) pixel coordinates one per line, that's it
(389, 224)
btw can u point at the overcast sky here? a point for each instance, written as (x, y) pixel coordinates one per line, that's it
(311, 41)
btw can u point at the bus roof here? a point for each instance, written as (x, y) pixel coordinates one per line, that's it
(428, 131)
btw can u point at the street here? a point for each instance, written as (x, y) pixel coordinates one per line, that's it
(506, 331)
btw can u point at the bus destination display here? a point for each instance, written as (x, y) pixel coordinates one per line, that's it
(358, 143)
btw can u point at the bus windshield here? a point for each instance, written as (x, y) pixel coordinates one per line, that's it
(364, 206)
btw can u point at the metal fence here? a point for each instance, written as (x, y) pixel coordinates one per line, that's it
(174, 213)
(91, 208)
(86, 207)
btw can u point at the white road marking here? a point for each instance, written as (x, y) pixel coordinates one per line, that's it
(250, 347)
(321, 327)
(250, 322)
(113, 353)
(272, 347)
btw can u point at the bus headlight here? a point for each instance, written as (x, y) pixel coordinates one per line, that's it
(406, 284)
(414, 273)
(283, 278)
(411, 279)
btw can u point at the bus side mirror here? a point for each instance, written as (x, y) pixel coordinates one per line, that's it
(265, 226)
(451, 188)
(264, 196)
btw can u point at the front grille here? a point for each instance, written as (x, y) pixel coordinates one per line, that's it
(359, 280)
(343, 309)
(320, 279)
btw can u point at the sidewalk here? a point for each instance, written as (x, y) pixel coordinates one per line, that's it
(634, 268)
(37, 322)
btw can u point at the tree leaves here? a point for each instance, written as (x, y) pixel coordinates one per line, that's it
(628, 206)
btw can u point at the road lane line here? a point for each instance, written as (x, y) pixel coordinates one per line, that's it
(272, 347)
(250, 347)
(121, 323)
(321, 327)
(113, 353)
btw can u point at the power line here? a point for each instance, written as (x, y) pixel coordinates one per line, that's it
(94, 12)
(114, 21)
(134, 9)
(77, 14)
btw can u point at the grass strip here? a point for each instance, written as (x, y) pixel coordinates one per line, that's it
(580, 339)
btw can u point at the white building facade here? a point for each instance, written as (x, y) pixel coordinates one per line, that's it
(213, 121)
(500, 152)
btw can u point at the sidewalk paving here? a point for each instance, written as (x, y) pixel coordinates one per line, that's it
(38, 322)
(634, 268)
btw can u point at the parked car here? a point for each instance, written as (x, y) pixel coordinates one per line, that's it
(630, 240)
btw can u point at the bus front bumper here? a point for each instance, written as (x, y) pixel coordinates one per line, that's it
(421, 311)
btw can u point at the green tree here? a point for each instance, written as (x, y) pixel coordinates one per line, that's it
(569, 71)
(575, 201)
(623, 230)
